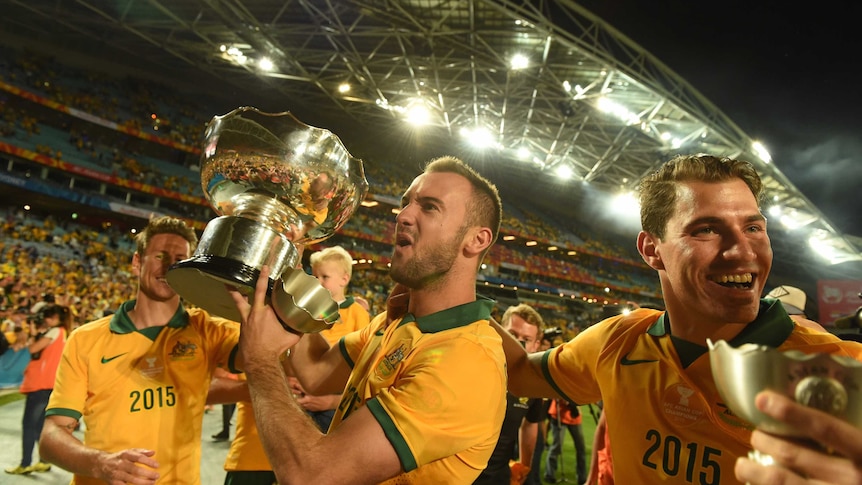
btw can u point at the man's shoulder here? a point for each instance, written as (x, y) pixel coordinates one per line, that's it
(634, 324)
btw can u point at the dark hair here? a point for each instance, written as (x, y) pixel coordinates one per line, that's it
(165, 225)
(486, 208)
(658, 191)
(60, 311)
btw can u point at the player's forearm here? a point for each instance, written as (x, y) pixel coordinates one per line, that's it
(319, 367)
(59, 446)
(227, 391)
(524, 370)
(527, 441)
(282, 424)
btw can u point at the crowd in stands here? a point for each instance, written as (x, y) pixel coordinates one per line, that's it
(137, 131)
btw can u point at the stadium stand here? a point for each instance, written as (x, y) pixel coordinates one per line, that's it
(126, 148)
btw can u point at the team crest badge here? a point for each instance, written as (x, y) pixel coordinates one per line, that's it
(183, 350)
(387, 366)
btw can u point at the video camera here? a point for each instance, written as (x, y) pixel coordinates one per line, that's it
(551, 333)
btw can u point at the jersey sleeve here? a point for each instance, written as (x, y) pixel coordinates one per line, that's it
(351, 345)
(571, 367)
(70, 385)
(224, 342)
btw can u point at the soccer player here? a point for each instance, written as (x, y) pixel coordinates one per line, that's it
(413, 376)
(704, 234)
(139, 377)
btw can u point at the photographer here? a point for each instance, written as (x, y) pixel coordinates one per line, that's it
(49, 329)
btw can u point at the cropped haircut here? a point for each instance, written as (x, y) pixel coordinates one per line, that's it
(658, 191)
(485, 208)
(529, 314)
(165, 225)
(336, 254)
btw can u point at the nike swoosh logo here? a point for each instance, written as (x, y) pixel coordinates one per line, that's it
(105, 360)
(625, 361)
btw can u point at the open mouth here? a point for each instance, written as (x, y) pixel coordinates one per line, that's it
(740, 281)
(402, 241)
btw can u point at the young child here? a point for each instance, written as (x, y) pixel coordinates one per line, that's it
(333, 267)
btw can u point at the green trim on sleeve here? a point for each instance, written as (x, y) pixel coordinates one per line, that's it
(343, 349)
(546, 371)
(69, 413)
(231, 360)
(408, 461)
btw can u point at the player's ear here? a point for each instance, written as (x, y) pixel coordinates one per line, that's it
(648, 248)
(478, 239)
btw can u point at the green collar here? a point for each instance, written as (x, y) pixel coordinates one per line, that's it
(346, 303)
(454, 317)
(771, 328)
(122, 324)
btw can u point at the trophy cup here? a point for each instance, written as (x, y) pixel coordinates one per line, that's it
(277, 185)
(826, 382)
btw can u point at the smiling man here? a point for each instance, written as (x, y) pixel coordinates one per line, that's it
(704, 234)
(140, 377)
(412, 378)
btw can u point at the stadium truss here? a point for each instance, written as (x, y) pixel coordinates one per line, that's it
(588, 99)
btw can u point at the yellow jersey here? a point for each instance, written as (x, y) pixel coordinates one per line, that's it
(144, 388)
(666, 420)
(436, 385)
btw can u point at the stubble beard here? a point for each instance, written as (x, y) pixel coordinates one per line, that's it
(429, 271)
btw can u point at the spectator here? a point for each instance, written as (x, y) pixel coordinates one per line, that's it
(47, 339)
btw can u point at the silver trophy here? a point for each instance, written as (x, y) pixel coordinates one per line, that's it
(830, 383)
(277, 185)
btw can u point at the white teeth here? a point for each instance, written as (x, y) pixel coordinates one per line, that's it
(733, 278)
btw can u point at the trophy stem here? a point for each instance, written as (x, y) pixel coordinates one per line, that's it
(231, 252)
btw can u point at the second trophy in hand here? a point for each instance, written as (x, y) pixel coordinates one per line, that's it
(277, 185)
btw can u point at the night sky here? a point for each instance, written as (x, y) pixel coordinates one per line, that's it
(785, 74)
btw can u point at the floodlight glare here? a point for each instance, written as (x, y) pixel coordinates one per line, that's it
(519, 61)
(418, 115)
(564, 172)
(761, 151)
(266, 64)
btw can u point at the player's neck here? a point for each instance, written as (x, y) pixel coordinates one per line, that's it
(427, 301)
(151, 313)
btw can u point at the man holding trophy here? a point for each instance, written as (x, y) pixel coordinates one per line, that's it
(412, 377)
(704, 234)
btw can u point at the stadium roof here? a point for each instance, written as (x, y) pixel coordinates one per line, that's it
(581, 97)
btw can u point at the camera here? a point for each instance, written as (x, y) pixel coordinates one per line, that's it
(551, 333)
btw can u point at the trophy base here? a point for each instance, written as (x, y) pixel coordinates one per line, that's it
(201, 280)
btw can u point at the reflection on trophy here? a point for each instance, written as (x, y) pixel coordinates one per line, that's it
(277, 185)
(830, 383)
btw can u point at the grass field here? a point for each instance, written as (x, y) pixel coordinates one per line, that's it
(11, 396)
(588, 425)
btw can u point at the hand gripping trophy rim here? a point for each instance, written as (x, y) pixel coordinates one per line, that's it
(830, 383)
(277, 184)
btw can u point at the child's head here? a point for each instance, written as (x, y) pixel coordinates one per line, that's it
(333, 267)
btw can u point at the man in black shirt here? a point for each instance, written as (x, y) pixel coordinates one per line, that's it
(521, 424)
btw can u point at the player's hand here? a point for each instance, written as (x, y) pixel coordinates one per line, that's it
(519, 472)
(262, 339)
(800, 462)
(135, 466)
(397, 302)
